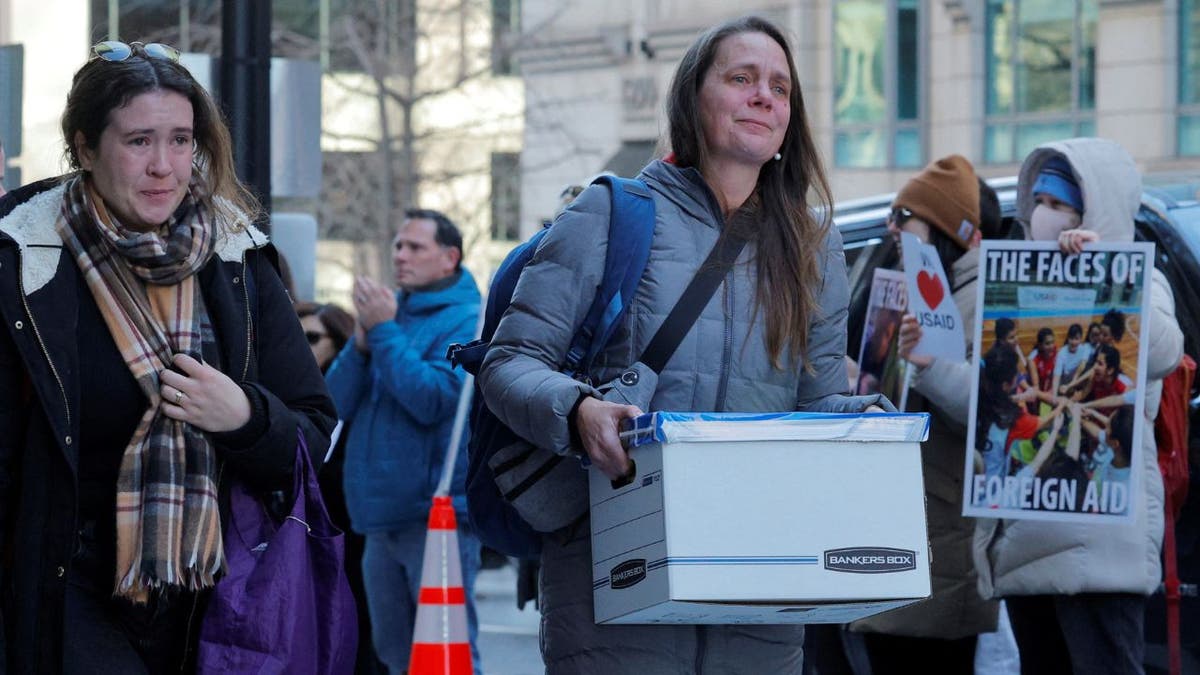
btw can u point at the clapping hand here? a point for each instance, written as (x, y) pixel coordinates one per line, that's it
(374, 304)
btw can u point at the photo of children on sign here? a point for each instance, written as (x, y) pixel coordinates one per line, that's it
(1056, 420)
(880, 368)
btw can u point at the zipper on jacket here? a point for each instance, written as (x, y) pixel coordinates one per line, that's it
(249, 326)
(45, 352)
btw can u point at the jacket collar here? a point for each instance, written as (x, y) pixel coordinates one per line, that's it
(462, 291)
(966, 269)
(31, 226)
(686, 188)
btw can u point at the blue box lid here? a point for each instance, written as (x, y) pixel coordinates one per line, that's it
(675, 427)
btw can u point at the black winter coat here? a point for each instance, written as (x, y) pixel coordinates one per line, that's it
(261, 346)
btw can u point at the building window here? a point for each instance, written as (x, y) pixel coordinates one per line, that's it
(189, 25)
(379, 38)
(506, 15)
(299, 27)
(1189, 77)
(506, 196)
(12, 76)
(1041, 67)
(877, 84)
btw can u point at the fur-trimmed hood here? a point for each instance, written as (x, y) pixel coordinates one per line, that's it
(31, 225)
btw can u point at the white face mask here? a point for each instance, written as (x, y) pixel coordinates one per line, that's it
(1045, 224)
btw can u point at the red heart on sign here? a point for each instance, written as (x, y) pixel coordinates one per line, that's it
(931, 288)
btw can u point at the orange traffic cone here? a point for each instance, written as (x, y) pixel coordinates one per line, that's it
(440, 642)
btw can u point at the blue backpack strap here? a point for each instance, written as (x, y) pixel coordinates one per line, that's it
(470, 356)
(630, 232)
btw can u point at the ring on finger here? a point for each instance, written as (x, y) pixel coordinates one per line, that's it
(178, 397)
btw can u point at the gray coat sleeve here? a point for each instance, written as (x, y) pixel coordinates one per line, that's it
(519, 377)
(825, 389)
(1164, 338)
(947, 385)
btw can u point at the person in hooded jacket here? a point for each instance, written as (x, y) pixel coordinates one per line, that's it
(1076, 592)
(772, 338)
(149, 356)
(941, 206)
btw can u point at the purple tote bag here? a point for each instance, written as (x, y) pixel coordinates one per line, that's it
(284, 605)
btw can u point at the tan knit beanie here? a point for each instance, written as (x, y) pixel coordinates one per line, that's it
(946, 195)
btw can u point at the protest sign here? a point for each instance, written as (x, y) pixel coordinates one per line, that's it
(1055, 429)
(880, 368)
(942, 332)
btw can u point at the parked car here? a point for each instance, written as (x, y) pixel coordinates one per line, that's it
(1169, 217)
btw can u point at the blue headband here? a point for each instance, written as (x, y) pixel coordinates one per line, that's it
(1056, 180)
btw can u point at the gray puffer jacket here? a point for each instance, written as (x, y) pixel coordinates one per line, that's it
(722, 363)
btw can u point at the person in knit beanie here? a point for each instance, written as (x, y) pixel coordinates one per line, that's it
(941, 206)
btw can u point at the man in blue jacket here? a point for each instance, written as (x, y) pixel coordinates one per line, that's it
(398, 394)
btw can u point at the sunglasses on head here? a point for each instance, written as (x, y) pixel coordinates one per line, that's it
(116, 51)
(899, 215)
(571, 191)
(314, 337)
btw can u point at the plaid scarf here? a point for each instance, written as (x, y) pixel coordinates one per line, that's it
(168, 525)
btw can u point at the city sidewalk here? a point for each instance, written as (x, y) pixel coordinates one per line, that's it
(508, 637)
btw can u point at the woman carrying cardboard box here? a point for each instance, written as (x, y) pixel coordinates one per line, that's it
(742, 163)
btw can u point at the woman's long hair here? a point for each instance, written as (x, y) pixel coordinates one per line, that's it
(790, 238)
(101, 87)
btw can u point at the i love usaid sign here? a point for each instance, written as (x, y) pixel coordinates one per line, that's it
(929, 300)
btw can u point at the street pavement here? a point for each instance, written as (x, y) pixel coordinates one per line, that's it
(508, 637)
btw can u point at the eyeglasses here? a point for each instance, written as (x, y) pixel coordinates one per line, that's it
(116, 51)
(899, 215)
(314, 337)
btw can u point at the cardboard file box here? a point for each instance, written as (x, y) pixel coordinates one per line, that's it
(762, 518)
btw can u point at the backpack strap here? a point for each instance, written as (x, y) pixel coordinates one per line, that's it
(470, 356)
(630, 232)
(685, 312)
